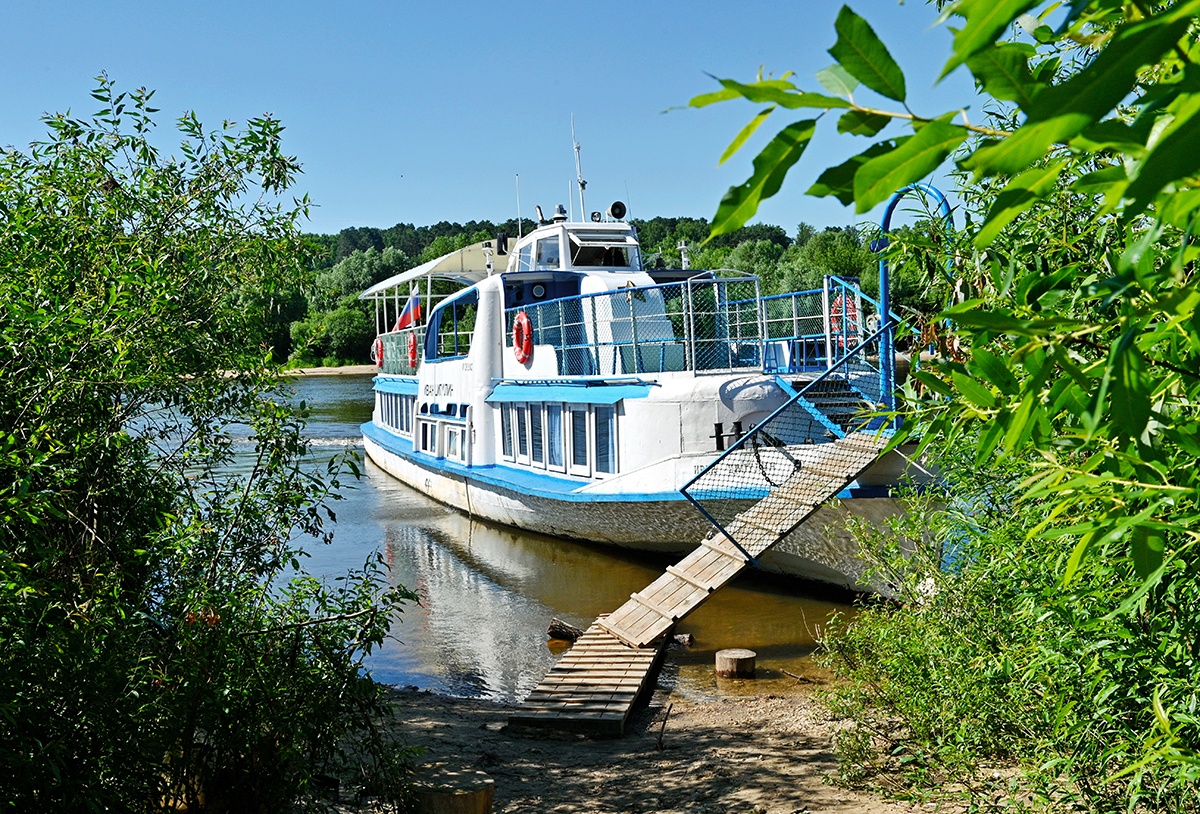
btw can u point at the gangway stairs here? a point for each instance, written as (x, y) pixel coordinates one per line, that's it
(825, 470)
(596, 691)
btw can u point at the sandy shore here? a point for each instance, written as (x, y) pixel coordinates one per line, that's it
(767, 754)
(346, 370)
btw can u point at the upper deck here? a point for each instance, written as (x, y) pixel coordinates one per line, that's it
(596, 312)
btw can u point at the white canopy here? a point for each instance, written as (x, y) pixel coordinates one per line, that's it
(468, 265)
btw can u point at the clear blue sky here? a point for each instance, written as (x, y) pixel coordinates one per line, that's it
(423, 112)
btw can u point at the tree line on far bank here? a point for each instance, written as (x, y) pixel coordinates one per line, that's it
(326, 324)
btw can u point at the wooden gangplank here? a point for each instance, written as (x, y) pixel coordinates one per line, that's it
(594, 687)
(824, 470)
(596, 684)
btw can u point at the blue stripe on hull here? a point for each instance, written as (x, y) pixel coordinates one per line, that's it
(524, 480)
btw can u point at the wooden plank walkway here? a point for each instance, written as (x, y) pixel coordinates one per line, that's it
(594, 687)
(596, 684)
(825, 470)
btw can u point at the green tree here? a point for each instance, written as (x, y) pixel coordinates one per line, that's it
(838, 251)
(159, 640)
(1074, 351)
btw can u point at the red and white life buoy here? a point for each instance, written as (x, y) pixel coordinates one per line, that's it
(412, 349)
(377, 352)
(522, 338)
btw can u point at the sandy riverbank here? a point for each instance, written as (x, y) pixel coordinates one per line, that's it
(767, 754)
(346, 370)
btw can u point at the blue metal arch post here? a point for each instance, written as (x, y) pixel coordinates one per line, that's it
(887, 352)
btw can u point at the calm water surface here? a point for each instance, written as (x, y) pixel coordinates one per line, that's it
(488, 592)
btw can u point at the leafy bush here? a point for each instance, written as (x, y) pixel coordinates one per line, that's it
(160, 643)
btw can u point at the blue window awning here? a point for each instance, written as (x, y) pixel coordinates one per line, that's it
(569, 392)
(405, 387)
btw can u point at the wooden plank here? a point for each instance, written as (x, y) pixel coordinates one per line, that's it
(679, 573)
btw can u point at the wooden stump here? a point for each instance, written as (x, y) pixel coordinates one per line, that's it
(561, 630)
(441, 790)
(736, 663)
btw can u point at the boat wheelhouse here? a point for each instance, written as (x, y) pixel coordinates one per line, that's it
(575, 392)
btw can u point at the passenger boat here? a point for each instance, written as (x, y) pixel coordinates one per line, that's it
(565, 387)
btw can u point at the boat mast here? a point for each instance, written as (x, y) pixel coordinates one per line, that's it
(578, 172)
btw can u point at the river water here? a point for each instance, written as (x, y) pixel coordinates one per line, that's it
(488, 592)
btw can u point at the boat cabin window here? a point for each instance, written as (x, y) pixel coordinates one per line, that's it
(576, 439)
(603, 253)
(548, 254)
(451, 325)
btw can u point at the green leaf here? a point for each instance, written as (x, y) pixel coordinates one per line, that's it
(911, 161)
(1003, 70)
(973, 391)
(746, 133)
(994, 371)
(782, 93)
(706, 99)
(1173, 158)
(1147, 548)
(1080, 550)
(862, 123)
(861, 53)
(1021, 424)
(770, 167)
(839, 181)
(837, 80)
(1061, 112)
(1020, 194)
(986, 20)
(1130, 393)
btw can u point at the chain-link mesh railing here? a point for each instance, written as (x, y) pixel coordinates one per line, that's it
(696, 325)
(796, 450)
(795, 332)
(403, 350)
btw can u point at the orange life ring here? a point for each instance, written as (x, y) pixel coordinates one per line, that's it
(522, 338)
(412, 349)
(377, 352)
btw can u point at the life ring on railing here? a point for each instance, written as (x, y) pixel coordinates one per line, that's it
(412, 349)
(843, 321)
(377, 352)
(522, 338)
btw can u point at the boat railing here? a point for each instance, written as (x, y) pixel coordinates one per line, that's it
(403, 350)
(847, 397)
(698, 325)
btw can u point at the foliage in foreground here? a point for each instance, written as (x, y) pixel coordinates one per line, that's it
(160, 644)
(985, 676)
(1073, 356)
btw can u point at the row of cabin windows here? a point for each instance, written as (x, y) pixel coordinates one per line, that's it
(577, 439)
(396, 411)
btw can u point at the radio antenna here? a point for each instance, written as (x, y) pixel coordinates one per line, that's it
(578, 172)
(518, 206)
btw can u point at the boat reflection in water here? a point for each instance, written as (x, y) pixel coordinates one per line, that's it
(488, 592)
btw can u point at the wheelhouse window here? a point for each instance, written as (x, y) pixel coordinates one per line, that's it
(603, 251)
(549, 255)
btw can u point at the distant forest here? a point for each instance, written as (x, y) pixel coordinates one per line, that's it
(327, 324)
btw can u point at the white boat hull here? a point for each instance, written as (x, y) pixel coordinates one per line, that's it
(821, 549)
